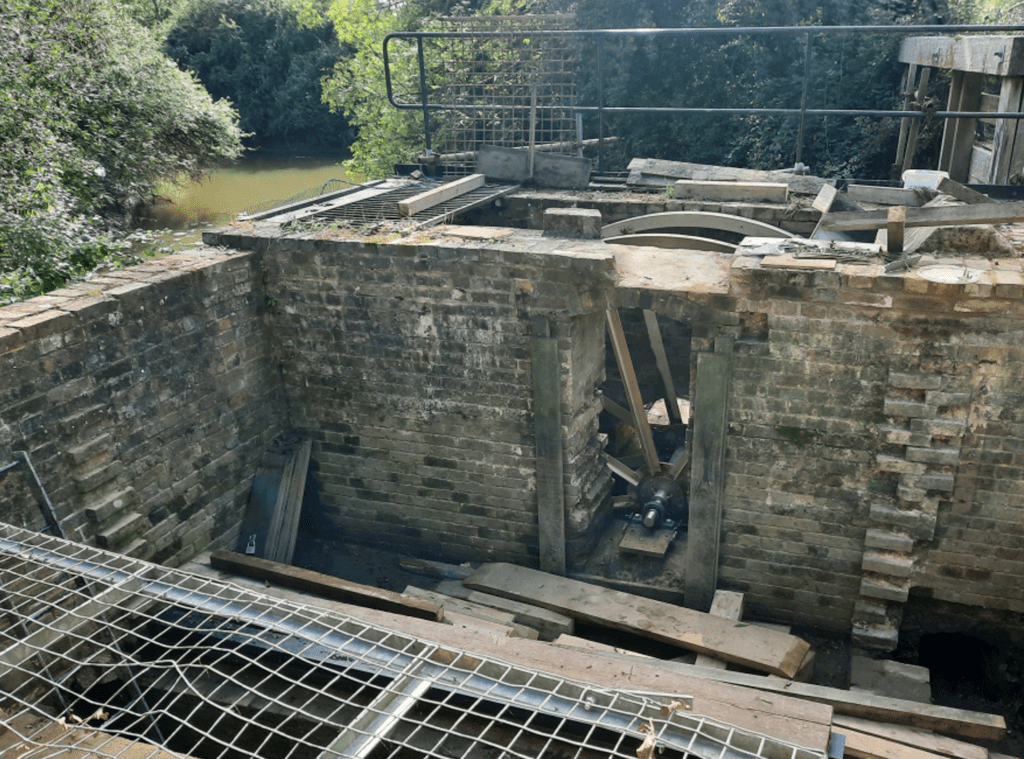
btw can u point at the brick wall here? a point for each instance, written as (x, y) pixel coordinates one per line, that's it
(409, 365)
(144, 399)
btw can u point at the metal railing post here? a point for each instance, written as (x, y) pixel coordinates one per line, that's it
(803, 102)
(423, 95)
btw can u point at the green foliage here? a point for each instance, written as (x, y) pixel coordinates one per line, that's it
(93, 116)
(267, 58)
(356, 86)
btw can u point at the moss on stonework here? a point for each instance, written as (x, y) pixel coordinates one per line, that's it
(798, 435)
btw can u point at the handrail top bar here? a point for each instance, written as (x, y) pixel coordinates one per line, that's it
(723, 30)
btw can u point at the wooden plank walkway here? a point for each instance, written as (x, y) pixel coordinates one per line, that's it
(757, 648)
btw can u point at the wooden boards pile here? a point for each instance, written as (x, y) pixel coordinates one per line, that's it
(763, 650)
(271, 521)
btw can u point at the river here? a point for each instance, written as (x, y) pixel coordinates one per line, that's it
(188, 208)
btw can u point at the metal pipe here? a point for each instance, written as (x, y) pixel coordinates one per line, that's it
(803, 102)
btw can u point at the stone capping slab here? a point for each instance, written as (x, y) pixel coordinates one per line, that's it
(49, 314)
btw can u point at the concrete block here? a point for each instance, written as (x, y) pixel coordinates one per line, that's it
(901, 408)
(549, 169)
(917, 523)
(888, 563)
(891, 678)
(897, 590)
(887, 541)
(912, 381)
(732, 191)
(898, 465)
(948, 455)
(583, 223)
(876, 637)
(941, 482)
(870, 612)
(130, 526)
(113, 504)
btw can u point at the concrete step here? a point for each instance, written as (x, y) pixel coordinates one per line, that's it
(111, 505)
(89, 481)
(121, 532)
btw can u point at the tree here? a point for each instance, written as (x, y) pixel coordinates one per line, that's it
(93, 116)
(267, 58)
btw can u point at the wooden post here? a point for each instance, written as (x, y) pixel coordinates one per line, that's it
(547, 419)
(910, 79)
(915, 127)
(1004, 142)
(654, 333)
(894, 229)
(707, 475)
(958, 137)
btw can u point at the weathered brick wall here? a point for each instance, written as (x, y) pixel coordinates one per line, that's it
(875, 441)
(145, 399)
(409, 365)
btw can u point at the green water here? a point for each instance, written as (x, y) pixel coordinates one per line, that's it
(187, 209)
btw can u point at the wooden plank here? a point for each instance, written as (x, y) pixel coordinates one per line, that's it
(652, 170)
(45, 736)
(962, 192)
(934, 216)
(293, 503)
(547, 427)
(629, 384)
(894, 228)
(891, 196)
(999, 55)
(1007, 131)
(958, 137)
(762, 650)
(864, 746)
(727, 604)
(430, 198)
(586, 644)
(550, 624)
(658, 347)
(707, 475)
(937, 744)
(438, 569)
(465, 608)
(738, 191)
(324, 585)
(909, 90)
(790, 261)
(620, 413)
(915, 127)
(981, 165)
(259, 511)
(640, 540)
(776, 715)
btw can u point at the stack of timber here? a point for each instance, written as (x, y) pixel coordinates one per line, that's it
(650, 172)
(271, 521)
(808, 715)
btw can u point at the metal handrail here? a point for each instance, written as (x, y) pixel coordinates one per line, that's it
(600, 35)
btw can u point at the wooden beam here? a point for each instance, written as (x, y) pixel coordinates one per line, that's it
(751, 192)
(323, 585)
(461, 607)
(890, 196)
(547, 421)
(759, 649)
(909, 88)
(636, 404)
(958, 136)
(804, 723)
(437, 569)
(613, 408)
(935, 216)
(909, 736)
(915, 127)
(430, 198)
(864, 746)
(998, 55)
(707, 476)
(661, 359)
(550, 624)
(962, 192)
(296, 489)
(727, 604)
(894, 227)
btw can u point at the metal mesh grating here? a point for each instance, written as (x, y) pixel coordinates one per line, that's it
(120, 657)
(382, 207)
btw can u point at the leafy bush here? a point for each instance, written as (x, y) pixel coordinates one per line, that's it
(93, 116)
(267, 57)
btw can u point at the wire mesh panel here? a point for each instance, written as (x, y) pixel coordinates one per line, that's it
(510, 88)
(105, 654)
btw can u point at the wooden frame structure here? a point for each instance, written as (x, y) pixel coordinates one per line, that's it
(971, 60)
